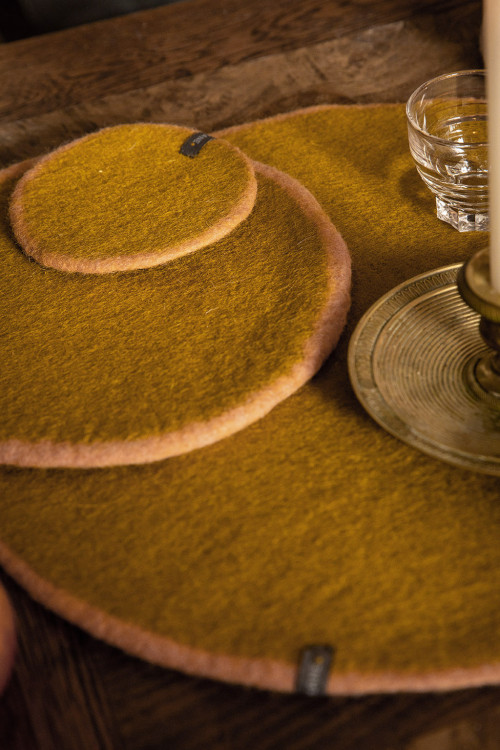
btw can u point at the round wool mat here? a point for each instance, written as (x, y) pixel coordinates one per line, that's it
(310, 526)
(130, 196)
(134, 367)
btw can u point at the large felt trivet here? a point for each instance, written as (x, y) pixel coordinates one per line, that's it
(134, 367)
(311, 526)
(130, 197)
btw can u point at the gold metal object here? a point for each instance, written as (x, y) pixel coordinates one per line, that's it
(415, 360)
(473, 283)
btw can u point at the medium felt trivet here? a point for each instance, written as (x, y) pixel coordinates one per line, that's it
(134, 367)
(131, 196)
(311, 526)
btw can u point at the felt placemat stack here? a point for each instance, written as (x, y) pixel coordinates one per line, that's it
(133, 344)
(310, 526)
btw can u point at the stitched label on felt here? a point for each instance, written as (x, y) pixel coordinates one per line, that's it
(315, 662)
(193, 145)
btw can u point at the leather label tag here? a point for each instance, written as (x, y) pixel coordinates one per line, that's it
(193, 145)
(314, 666)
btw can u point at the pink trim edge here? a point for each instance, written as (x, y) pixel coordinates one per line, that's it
(267, 674)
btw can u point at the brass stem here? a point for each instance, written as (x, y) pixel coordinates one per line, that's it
(474, 286)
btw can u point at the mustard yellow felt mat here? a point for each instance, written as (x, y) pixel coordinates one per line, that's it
(311, 526)
(130, 197)
(132, 367)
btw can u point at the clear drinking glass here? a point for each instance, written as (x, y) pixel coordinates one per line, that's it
(447, 130)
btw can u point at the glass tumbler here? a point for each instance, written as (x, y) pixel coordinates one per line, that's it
(447, 131)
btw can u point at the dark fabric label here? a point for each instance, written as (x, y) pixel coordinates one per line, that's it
(193, 145)
(314, 666)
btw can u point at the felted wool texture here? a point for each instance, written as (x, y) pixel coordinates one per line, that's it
(125, 197)
(312, 525)
(133, 367)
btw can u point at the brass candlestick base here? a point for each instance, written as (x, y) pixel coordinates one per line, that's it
(421, 368)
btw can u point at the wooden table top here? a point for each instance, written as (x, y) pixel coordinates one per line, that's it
(211, 64)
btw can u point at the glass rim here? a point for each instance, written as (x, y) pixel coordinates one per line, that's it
(411, 119)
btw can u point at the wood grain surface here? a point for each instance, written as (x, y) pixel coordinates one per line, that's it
(65, 84)
(211, 64)
(177, 41)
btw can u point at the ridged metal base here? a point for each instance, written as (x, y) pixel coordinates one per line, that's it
(412, 360)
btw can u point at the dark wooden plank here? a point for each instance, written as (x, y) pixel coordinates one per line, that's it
(72, 692)
(384, 63)
(175, 41)
(193, 714)
(55, 700)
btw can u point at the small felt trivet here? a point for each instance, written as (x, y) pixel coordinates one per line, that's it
(134, 367)
(311, 527)
(130, 196)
